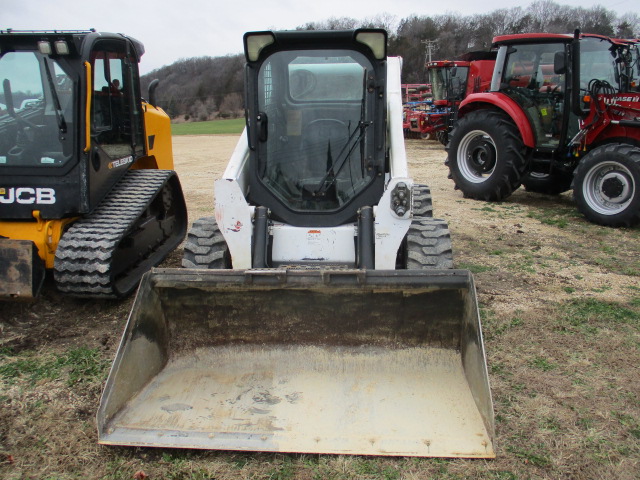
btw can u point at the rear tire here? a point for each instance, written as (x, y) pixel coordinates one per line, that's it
(547, 184)
(443, 137)
(206, 248)
(428, 245)
(607, 185)
(486, 156)
(422, 201)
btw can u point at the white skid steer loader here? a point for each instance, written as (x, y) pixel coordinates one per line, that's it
(319, 311)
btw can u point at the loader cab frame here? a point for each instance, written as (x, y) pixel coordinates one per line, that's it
(316, 123)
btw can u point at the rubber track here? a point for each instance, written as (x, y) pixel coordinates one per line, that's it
(83, 257)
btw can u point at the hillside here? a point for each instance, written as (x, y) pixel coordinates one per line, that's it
(202, 88)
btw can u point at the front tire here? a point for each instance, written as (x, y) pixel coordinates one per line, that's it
(206, 248)
(486, 156)
(607, 185)
(443, 137)
(428, 245)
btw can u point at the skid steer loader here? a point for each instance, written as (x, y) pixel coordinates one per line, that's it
(87, 187)
(319, 311)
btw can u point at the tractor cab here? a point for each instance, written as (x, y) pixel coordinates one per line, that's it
(316, 124)
(534, 71)
(448, 81)
(534, 75)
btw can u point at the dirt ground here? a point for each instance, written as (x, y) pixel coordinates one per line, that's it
(560, 307)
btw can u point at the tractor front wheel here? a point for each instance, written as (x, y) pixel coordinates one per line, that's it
(486, 157)
(607, 185)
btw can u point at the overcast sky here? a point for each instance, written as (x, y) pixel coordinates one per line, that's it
(174, 29)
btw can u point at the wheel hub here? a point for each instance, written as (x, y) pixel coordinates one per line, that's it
(482, 156)
(615, 186)
(608, 188)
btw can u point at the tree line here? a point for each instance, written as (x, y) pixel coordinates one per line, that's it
(203, 88)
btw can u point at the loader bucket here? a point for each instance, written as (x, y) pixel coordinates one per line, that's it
(341, 362)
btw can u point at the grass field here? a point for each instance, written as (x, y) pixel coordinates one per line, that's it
(560, 306)
(211, 127)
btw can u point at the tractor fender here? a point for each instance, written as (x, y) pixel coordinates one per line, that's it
(477, 101)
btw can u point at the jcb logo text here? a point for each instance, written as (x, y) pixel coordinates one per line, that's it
(28, 195)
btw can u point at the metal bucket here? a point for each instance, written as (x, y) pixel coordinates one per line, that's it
(342, 362)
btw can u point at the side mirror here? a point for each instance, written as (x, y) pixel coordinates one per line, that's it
(152, 92)
(559, 63)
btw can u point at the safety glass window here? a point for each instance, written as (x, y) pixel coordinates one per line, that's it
(36, 111)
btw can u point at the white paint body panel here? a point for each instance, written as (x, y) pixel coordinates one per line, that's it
(389, 229)
(313, 245)
(395, 135)
(239, 162)
(233, 215)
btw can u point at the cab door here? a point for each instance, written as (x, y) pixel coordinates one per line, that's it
(530, 78)
(117, 137)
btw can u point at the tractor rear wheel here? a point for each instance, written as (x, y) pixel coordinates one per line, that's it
(607, 185)
(206, 247)
(486, 157)
(443, 137)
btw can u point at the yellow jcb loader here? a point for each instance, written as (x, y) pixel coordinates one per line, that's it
(87, 187)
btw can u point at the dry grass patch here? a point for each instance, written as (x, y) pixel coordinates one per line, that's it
(560, 301)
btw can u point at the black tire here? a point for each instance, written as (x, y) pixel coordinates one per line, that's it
(206, 248)
(422, 201)
(443, 137)
(428, 245)
(486, 156)
(547, 183)
(607, 185)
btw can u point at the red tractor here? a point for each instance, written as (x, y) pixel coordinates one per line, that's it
(451, 82)
(563, 111)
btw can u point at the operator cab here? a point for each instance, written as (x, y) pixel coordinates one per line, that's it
(448, 81)
(317, 146)
(534, 75)
(71, 119)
